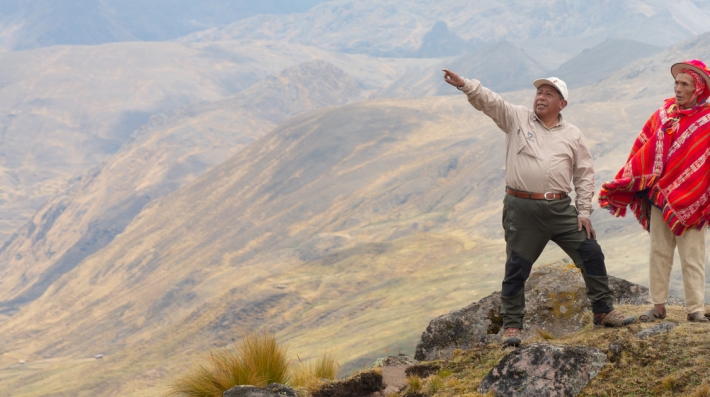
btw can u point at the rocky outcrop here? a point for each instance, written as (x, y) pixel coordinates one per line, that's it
(556, 302)
(360, 385)
(272, 390)
(480, 322)
(544, 370)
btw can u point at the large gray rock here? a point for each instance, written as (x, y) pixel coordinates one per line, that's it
(555, 300)
(544, 370)
(272, 390)
(479, 322)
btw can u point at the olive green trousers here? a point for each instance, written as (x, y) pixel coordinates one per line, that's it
(529, 225)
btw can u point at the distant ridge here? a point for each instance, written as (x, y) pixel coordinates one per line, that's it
(441, 42)
(654, 71)
(31, 24)
(501, 67)
(395, 29)
(595, 63)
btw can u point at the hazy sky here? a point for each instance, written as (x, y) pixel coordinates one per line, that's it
(39, 23)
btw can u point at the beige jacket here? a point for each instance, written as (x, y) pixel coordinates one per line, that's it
(538, 159)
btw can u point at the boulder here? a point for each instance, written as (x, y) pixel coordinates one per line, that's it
(479, 322)
(555, 300)
(544, 370)
(360, 385)
(272, 390)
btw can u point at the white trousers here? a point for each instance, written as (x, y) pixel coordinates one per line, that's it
(691, 249)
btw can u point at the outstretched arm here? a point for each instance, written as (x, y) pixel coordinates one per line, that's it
(488, 102)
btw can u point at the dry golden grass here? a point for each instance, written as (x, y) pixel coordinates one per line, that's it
(434, 383)
(309, 375)
(261, 353)
(414, 383)
(670, 364)
(256, 360)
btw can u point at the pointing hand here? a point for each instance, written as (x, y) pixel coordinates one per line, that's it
(453, 78)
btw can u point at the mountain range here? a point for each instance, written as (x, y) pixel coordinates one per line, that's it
(64, 109)
(338, 224)
(397, 28)
(504, 67)
(169, 152)
(27, 24)
(161, 198)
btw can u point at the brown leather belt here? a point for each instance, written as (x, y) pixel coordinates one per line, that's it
(535, 196)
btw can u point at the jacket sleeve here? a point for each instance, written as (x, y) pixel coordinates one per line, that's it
(492, 105)
(583, 179)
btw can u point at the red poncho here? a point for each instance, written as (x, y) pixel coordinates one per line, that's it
(669, 159)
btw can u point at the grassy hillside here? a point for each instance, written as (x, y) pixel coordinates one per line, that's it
(173, 150)
(341, 230)
(65, 109)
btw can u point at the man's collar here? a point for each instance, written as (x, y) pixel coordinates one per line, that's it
(560, 122)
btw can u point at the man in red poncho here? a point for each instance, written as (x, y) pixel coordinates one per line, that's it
(666, 183)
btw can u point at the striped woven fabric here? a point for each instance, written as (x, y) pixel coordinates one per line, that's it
(668, 162)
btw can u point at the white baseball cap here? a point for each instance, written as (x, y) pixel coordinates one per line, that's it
(555, 82)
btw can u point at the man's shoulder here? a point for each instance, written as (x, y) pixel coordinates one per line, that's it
(573, 130)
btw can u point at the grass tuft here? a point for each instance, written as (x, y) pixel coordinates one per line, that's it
(669, 382)
(264, 358)
(310, 374)
(256, 360)
(435, 383)
(415, 383)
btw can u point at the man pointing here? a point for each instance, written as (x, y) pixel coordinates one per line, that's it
(545, 155)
